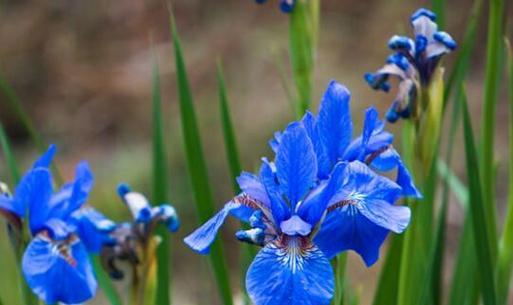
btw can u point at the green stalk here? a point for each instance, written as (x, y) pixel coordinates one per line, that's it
(160, 193)
(496, 9)
(340, 279)
(18, 242)
(105, 282)
(388, 285)
(439, 9)
(197, 167)
(480, 220)
(303, 35)
(248, 251)
(505, 262)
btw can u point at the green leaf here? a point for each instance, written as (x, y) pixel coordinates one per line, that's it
(302, 52)
(340, 279)
(439, 9)
(487, 162)
(480, 219)
(160, 193)
(505, 260)
(105, 282)
(9, 157)
(453, 183)
(386, 292)
(197, 167)
(230, 141)
(464, 52)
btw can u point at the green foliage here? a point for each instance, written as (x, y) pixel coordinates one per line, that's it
(105, 282)
(388, 284)
(197, 167)
(505, 261)
(303, 27)
(160, 193)
(9, 157)
(480, 219)
(493, 70)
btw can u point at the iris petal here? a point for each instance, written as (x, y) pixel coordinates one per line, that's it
(46, 159)
(251, 185)
(296, 165)
(279, 208)
(347, 229)
(93, 228)
(280, 276)
(55, 278)
(201, 239)
(334, 121)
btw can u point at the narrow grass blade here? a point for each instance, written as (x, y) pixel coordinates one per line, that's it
(160, 193)
(16, 106)
(487, 163)
(9, 157)
(464, 52)
(197, 167)
(248, 252)
(454, 184)
(386, 292)
(505, 261)
(481, 220)
(340, 279)
(439, 9)
(105, 282)
(302, 53)
(230, 141)
(18, 246)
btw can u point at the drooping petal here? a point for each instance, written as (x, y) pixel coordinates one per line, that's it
(93, 228)
(59, 229)
(201, 239)
(46, 159)
(58, 274)
(312, 209)
(136, 202)
(347, 229)
(290, 275)
(166, 214)
(392, 217)
(296, 165)
(334, 122)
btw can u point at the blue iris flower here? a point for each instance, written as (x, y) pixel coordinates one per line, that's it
(413, 62)
(319, 196)
(286, 6)
(56, 251)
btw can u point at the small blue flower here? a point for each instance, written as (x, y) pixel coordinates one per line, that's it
(127, 240)
(413, 62)
(56, 252)
(317, 198)
(286, 6)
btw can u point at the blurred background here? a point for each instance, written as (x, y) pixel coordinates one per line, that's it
(82, 70)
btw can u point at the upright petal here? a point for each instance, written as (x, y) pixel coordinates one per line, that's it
(290, 275)
(56, 274)
(36, 196)
(323, 163)
(46, 159)
(296, 165)
(334, 121)
(279, 209)
(312, 209)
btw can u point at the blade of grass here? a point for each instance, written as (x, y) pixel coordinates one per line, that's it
(453, 183)
(9, 157)
(160, 193)
(28, 298)
(439, 9)
(505, 261)
(340, 279)
(105, 282)
(197, 167)
(487, 165)
(386, 292)
(248, 251)
(302, 52)
(480, 219)
(465, 51)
